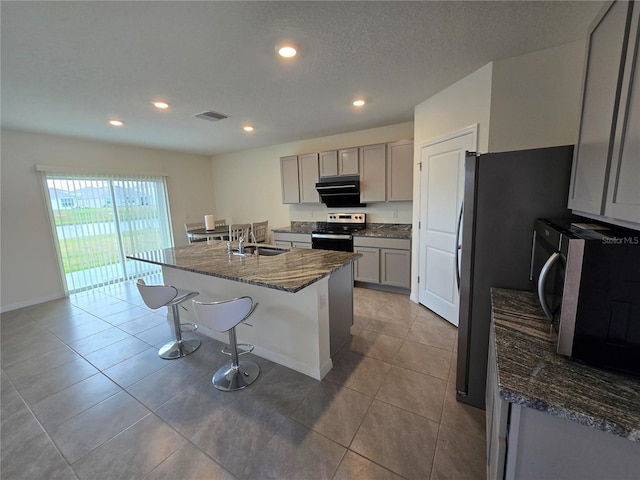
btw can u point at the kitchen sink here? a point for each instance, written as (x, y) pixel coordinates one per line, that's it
(262, 251)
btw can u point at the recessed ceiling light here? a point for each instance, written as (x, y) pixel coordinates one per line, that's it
(287, 51)
(248, 128)
(358, 103)
(161, 105)
(116, 123)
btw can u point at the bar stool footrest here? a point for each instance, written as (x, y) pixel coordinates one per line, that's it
(243, 349)
(188, 327)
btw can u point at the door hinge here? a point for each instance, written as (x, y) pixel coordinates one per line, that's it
(420, 164)
(418, 278)
(419, 224)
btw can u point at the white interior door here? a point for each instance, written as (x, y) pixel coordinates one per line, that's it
(441, 193)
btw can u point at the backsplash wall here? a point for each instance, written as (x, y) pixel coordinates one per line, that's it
(384, 212)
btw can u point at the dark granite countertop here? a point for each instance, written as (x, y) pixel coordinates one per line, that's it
(381, 230)
(291, 271)
(306, 227)
(532, 374)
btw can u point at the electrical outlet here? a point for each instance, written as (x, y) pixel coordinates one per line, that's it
(395, 214)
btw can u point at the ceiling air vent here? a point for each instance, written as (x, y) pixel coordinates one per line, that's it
(211, 116)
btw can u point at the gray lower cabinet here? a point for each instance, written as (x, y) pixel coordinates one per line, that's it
(527, 444)
(384, 261)
(367, 267)
(605, 179)
(295, 240)
(395, 267)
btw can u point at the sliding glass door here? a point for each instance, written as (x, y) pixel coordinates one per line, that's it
(100, 219)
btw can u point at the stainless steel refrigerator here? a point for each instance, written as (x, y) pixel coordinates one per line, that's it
(504, 194)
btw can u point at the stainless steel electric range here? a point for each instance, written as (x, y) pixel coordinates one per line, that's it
(338, 232)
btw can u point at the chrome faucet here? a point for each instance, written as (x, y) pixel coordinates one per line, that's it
(241, 245)
(252, 237)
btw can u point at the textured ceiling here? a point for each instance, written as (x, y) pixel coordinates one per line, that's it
(67, 67)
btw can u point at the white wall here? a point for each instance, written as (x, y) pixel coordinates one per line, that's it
(465, 103)
(247, 184)
(30, 271)
(522, 102)
(535, 98)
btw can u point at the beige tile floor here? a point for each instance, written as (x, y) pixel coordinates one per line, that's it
(85, 396)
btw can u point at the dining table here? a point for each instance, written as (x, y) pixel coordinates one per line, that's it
(220, 233)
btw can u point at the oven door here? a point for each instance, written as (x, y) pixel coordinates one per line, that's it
(340, 242)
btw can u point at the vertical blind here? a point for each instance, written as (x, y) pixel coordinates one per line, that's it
(99, 219)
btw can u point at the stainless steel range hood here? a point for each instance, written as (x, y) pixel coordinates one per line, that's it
(342, 191)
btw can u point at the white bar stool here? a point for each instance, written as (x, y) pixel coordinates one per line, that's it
(222, 317)
(157, 296)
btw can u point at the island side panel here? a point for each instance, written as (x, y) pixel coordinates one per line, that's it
(340, 306)
(291, 329)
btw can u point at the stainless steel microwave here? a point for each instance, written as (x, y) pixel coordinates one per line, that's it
(587, 276)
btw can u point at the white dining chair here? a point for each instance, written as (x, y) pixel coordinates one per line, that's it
(189, 227)
(237, 230)
(259, 230)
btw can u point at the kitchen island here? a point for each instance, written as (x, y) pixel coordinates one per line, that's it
(305, 296)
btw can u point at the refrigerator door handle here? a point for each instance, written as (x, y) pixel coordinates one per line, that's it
(542, 280)
(458, 245)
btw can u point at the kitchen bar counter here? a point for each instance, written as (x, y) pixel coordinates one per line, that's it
(532, 374)
(290, 272)
(305, 298)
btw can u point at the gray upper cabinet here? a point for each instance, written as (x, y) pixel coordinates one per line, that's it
(372, 173)
(329, 163)
(309, 176)
(339, 162)
(400, 171)
(299, 175)
(348, 161)
(623, 192)
(604, 70)
(385, 171)
(289, 178)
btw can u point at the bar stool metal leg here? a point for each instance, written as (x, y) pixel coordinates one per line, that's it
(236, 374)
(184, 344)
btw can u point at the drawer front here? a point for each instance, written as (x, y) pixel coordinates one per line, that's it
(292, 237)
(377, 242)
